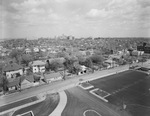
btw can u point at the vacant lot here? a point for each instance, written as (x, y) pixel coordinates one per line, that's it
(130, 88)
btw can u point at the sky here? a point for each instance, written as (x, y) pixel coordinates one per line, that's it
(80, 18)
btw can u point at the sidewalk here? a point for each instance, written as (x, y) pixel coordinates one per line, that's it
(12, 107)
(62, 85)
(62, 103)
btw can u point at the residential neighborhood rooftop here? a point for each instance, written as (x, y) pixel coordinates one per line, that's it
(12, 67)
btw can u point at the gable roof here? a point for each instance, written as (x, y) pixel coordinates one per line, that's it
(38, 62)
(59, 60)
(30, 78)
(12, 67)
(109, 61)
(53, 75)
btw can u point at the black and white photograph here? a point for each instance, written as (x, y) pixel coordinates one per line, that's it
(74, 57)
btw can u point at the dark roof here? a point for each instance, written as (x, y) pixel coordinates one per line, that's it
(12, 67)
(30, 78)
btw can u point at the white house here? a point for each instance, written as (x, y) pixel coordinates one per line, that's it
(43, 49)
(35, 49)
(28, 50)
(83, 70)
(137, 53)
(110, 63)
(12, 70)
(38, 66)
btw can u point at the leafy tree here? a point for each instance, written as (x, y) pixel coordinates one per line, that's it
(4, 83)
(76, 67)
(47, 65)
(97, 59)
(69, 65)
(1, 67)
(130, 51)
(54, 66)
(15, 54)
(36, 77)
(62, 54)
(26, 58)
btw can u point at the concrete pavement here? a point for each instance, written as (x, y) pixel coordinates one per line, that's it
(54, 87)
(58, 86)
(62, 104)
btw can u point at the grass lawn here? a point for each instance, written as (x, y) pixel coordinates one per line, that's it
(130, 87)
(43, 108)
(85, 84)
(117, 81)
(18, 103)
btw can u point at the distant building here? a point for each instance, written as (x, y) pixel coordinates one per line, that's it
(137, 53)
(144, 47)
(28, 50)
(35, 49)
(147, 49)
(115, 56)
(43, 49)
(110, 63)
(70, 37)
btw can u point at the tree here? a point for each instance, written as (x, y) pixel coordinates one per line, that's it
(130, 51)
(97, 59)
(62, 54)
(26, 58)
(15, 54)
(68, 65)
(47, 65)
(4, 83)
(54, 66)
(1, 67)
(76, 68)
(36, 77)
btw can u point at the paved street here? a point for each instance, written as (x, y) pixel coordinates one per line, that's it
(90, 102)
(56, 86)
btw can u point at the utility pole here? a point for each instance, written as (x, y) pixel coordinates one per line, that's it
(123, 105)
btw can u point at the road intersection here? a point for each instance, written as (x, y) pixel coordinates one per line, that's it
(59, 86)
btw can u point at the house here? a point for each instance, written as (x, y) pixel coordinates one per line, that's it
(137, 53)
(16, 83)
(43, 49)
(26, 84)
(60, 60)
(115, 56)
(28, 50)
(83, 70)
(110, 63)
(55, 76)
(35, 49)
(38, 66)
(12, 70)
(144, 47)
